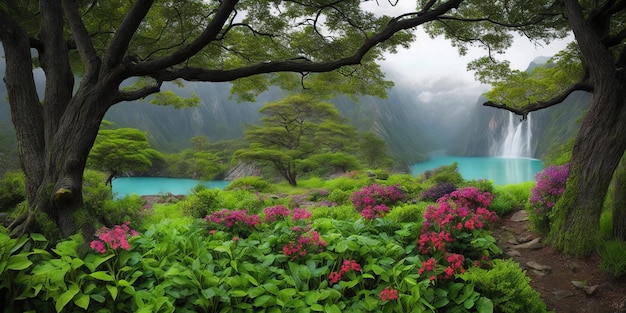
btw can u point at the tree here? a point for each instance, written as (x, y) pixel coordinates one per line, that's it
(121, 150)
(254, 43)
(599, 29)
(373, 150)
(293, 131)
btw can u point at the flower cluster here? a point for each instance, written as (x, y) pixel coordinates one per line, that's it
(437, 191)
(237, 221)
(348, 265)
(116, 237)
(279, 212)
(374, 201)
(449, 229)
(307, 240)
(547, 191)
(388, 294)
(299, 214)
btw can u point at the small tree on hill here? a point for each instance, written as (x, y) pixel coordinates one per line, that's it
(293, 131)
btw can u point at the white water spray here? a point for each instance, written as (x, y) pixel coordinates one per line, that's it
(517, 138)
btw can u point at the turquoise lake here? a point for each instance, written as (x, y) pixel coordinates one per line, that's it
(142, 186)
(501, 170)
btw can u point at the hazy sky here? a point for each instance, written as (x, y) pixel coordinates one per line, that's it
(430, 64)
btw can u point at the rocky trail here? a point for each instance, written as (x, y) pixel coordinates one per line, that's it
(567, 285)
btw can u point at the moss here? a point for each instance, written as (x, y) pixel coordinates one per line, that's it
(48, 228)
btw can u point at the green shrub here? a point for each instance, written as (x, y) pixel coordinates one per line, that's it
(339, 197)
(95, 191)
(407, 213)
(250, 183)
(483, 185)
(12, 190)
(510, 197)
(200, 203)
(380, 174)
(346, 183)
(118, 211)
(312, 182)
(408, 182)
(342, 212)
(443, 174)
(508, 287)
(613, 257)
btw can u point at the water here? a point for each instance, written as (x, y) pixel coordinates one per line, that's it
(502, 170)
(143, 186)
(516, 140)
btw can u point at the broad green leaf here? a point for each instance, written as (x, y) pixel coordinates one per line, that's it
(331, 308)
(484, 305)
(18, 262)
(82, 301)
(38, 237)
(66, 297)
(239, 293)
(264, 301)
(113, 291)
(100, 275)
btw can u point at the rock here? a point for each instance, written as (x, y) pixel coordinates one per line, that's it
(539, 267)
(513, 253)
(591, 290)
(563, 293)
(520, 216)
(242, 169)
(513, 241)
(532, 245)
(579, 284)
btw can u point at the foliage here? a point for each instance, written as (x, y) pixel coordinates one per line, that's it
(201, 202)
(95, 191)
(437, 191)
(507, 285)
(12, 190)
(375, 200)
(407, 213)
(295, 137)
(510, 197)
(373, 151)
(549, 188)
(340, 212)
(443, 174)
(118, 211)
(613, 257)
(122, 150)
(250, 183)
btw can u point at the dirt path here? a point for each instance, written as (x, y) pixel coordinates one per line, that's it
(553, 274)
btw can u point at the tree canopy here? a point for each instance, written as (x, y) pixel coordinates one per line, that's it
(120, 150)
(299, 132)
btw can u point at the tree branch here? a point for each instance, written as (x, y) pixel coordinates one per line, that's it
(137, 94)
(209, 34)
(82, 39)
(200, 74)
(121, 39)
(580, 86)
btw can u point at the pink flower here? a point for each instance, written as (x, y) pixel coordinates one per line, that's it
(98, 246)
(388, 294)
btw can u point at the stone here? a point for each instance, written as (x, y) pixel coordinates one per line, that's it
(513, 241)
(531, 245)
(513, 253)
(520, 216)
(539, 267)
(563, 293)
(579, 284)
(591, 290)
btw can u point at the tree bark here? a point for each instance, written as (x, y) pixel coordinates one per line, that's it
(597, 149)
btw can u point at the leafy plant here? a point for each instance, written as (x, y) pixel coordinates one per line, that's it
(250, 183)
(118, 211)
(508, 287)
(549, 188)
(437, 191)
(12, 190)
(613, 257)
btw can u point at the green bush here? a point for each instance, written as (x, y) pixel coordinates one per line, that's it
(118, 211)
(342, 212)
(344, 183)
(250, 183)
(201, 203)
(95, 191)
(613, 257)
(408, 182)
(12, 190)
(443, 174)
(483, 185)
(407, 213)
(508, 287)
(339, 197)
(510, 197)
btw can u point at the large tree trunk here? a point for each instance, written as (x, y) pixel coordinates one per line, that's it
(597, 149)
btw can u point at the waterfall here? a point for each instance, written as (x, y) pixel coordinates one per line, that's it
(517, 138)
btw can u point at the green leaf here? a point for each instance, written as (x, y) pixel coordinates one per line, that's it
(98, 298)
(484, 305)
(18, 262)
(239, 293)
(317, 307)
(328, 308)
(113, 291)
(264, 301)
(38, 237)
(66, 297)
(76, 263)
(441, 303)
(100, 275)
(82, 301)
